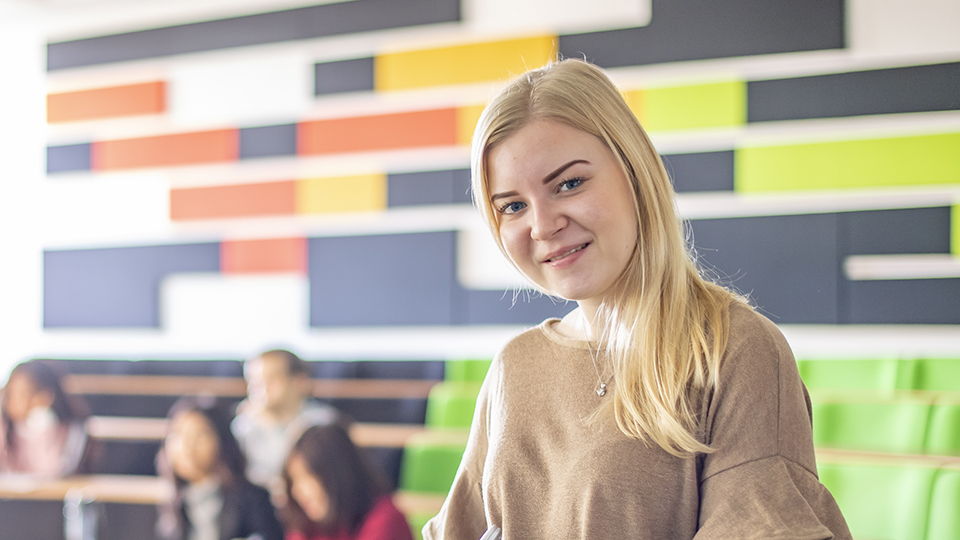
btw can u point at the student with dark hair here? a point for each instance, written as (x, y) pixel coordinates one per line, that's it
(334, 492)
(43, 429)
(213, 500)
(278, 407)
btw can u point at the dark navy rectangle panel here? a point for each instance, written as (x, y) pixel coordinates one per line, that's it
(301, 23)
(787, 264)
(501, 307)
(885, 91)
(267, 141)
(698, 29)
(354, 75)
(431, 187)
(116, 287)
(71, 157)
(908, 301)
(394, 279)
(707, 171)
(885, 232)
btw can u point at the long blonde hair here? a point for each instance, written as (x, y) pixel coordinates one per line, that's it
(665, 328)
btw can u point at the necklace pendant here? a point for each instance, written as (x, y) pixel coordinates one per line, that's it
(602, 391)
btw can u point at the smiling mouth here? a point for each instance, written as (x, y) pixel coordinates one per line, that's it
(567, 254)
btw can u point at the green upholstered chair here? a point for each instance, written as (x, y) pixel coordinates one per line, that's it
(860, 374)
(881, 501)
(944, 521)
(466, 370)
(943, 431)
(896, 426)
(937, 374)
(451, 404)
(430, 460)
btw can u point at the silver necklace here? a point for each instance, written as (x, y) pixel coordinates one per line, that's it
(602, 389)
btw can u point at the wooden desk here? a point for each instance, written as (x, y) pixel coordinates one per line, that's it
(236, 387)
(123, 428)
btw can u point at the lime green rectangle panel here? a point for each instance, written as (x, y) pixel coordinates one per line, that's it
(866, 163)
(700, 106)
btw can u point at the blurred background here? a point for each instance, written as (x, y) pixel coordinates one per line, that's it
(198, 180)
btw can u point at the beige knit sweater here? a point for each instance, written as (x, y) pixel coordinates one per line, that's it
(537, 469)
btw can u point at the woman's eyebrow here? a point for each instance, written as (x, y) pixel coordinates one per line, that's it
(549, 178)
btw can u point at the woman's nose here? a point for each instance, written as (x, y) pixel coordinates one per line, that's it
(547, 220)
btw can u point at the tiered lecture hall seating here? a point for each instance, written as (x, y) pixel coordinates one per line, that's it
(887, 433)
(409, 411)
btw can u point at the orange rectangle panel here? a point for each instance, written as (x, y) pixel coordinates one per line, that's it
(97, 103)
(242, 200)
(166, 150)
(415, 129)
(262, 256)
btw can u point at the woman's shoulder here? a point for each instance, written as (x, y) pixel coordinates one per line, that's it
(385, 521)
(755, 346)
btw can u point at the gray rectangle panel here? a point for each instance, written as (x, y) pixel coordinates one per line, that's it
(302, 23)
(354, 75)
(68, 158)
(908, 301)
(268, 141)
(500, 307)
(788, 265)
(885, 232)
(395, 279)
(699, 29)
(707, 171)
(116, 287)
(884, 91)
(430, 187)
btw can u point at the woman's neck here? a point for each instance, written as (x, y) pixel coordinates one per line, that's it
(581, 323)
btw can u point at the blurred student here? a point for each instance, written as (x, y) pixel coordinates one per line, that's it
(335, 493)
(277, 409)
(43, 429)
(213, 499)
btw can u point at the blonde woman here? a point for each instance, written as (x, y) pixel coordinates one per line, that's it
(663, 406)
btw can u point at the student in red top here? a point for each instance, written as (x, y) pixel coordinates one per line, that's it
(335, 493)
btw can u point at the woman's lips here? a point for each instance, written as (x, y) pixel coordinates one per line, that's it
(557, 256)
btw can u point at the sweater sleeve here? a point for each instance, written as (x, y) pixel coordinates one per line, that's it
(761, 480)
(462, 516)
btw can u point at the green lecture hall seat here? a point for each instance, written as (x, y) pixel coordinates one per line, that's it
(451, 404)
(944, 520)
(887, 501)
(896, 426)
(943, 431)
(854, 374)
(940, 374)
(466, 370)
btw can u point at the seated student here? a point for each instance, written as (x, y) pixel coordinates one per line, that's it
(42, 429)
(334, 492)
(213, 499)
(278, 407)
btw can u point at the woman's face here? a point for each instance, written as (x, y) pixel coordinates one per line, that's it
(192, 447)
(567, 219)
(307, 489)
(22, 395)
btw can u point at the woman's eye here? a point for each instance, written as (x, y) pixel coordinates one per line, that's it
(572, 183)
(512, 208)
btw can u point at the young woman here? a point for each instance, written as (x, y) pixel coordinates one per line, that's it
(213, 499)
(334, 493)
(42, 429)
(663, 406)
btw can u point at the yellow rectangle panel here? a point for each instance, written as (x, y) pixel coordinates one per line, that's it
(955, 230)
(635, 101)
(462, 64)
(365, 193)
(467, 118)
